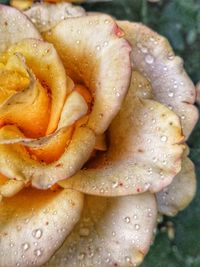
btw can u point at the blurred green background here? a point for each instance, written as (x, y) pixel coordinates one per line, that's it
(179, 21)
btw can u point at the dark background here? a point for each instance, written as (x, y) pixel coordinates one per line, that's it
(179, 21)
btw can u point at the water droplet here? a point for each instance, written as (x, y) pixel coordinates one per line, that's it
(38, 252)
(171, 94)
(127, 259)
(170, 56)
(137, 226)
(98, 47)
(78, 42)
(163, 138)
(182, 117)
(149, 59)
(81, 256)
(84, 231)
(37, 233)
(25, 246)
(127, 219)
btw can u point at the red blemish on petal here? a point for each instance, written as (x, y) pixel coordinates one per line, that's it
(118, 31)
(138, 190)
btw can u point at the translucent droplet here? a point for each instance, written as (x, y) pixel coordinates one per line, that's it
(149, 59)
(127, 219)
(25, 246)
(84, 231)
(127, 259)
(171, 94)
(37, 233)
(38, 252)
(81, 256)
(163, 138)
(137, 226)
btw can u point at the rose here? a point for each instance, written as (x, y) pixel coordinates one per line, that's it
(144, 149)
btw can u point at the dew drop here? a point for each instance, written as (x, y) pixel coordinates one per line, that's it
(137, 226)
(163, 138)
(171, 94)
(149, 59)
(37, 233)
(81, 256)
(84, 231)
(25, 246)
(127, 259)
(127, 219)
(38, 252)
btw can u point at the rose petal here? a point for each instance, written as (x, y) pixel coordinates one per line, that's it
(198, 92)
(101, 143)
(16, 163)
(45, 63)
(33, 224)
(15, 26)
(74, 108)
(154, 57)
(180, 192)
(33, 101)
(11, 188)
(144, 153)
(95, 56)
(111, 232)
(46, 16)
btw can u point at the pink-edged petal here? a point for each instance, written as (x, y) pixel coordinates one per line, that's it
(180, 192)
(144, 149)
(154, 57)
(15, 26)
(33, 225)
(111, 232)
(45, 16)
(97, 57)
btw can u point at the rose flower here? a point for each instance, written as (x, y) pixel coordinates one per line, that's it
(94, 116)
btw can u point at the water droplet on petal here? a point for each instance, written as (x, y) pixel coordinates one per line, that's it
(149, 59)
(137, 226)
(37, 233)
(127, 219)
(163, 138)
(25, 246)
(38, 252)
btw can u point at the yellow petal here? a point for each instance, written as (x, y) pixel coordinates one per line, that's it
(98, 58)
(154, 57)
(27, 106)
(45, 63)
(144, 152)
(111, 232)
(33, 225)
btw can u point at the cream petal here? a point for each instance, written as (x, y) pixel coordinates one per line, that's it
(33, 225)
(180, 192)
(15, 26)
(198, 92)
(111, 232)
(154, 57)
(97, 57)
(45, 16)
(144, 151)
